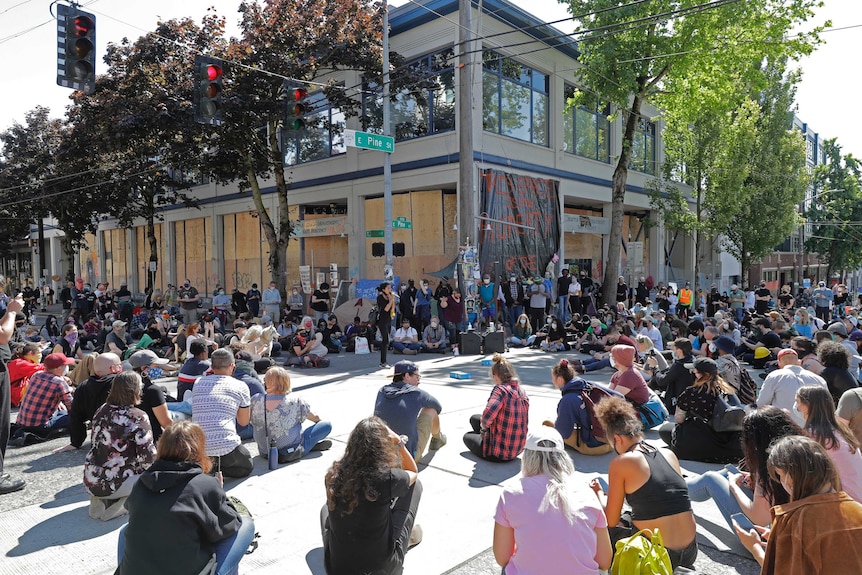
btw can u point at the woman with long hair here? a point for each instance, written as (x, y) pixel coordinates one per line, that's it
(122, 448)
(500, 432)
(650, 480)
(802, 323)
(691, 436)
(752, 492)
(815, 405)
(199, 531)
(372, 495)
(547, 518)
(818, 531)
(522, 332)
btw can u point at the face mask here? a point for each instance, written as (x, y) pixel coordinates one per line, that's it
(553, 326)
(487, 281)
(154, 372)
(797, 318)
(271, 287)
(86, 288)
(712, 348)
(72, 337)
(612, 362)
(221, 292)
(186, 284)
(785, 483)
(65, 370)
(523, 321)
(511, 279)
(798, 413)
(548, 320)
(295, 292)
(433, 325)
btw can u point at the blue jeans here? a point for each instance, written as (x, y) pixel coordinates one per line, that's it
(229, 552)
(593, 364)
(314, 434)
(714, 485)
(400, 347)
(563, 308)
(514, 313)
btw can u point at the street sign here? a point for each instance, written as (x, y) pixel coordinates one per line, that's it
(373, 233)
(401, 224)
(366, 141)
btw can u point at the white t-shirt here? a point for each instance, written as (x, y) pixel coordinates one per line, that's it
(575, 288)
(408, 333)
(655, 335)
(215, 401)
(779, 388)
(544, 535)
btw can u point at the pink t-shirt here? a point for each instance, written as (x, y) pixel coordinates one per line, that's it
(546, 537)
(849, 467)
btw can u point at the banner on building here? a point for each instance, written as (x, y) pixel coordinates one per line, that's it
(579, 224)
(525, 201)
(331, 226)
(305, 278)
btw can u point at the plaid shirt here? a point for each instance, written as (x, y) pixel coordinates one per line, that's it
(505, 418)
(44, 394)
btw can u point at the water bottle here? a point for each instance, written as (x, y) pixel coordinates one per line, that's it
(273, 455)
(491, 327)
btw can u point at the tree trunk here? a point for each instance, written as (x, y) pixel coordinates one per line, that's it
(154, 246)
(699, 216)
(618, 196)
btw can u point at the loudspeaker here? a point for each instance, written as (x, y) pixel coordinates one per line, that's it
(495, 342)
(471, 343)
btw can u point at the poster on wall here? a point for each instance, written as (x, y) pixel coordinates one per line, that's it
(305, 278)
(319, 279)
(515, 199)
(333, 276)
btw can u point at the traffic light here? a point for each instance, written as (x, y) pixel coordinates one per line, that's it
(398, 249)
(76, 49)
(296, 107)
(378, 249)
(209, 75)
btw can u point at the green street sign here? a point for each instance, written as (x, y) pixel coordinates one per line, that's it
(400, 224)
(366, 141)
(373, 233)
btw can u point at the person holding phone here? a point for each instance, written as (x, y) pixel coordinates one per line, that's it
(819, 529)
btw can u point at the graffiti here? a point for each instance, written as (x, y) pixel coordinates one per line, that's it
(242, 280)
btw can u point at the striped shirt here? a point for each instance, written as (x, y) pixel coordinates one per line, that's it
(215, 403)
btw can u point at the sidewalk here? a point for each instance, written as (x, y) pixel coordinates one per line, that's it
(47, 523)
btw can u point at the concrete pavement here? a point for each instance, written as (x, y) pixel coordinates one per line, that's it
(47, 523)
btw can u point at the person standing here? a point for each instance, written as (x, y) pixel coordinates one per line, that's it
(189, 300)
(686, 297)
(586, 292)
(761, 299)
(252, 299)
(538, 298)
(385, 313)
(7, 327)
(272, 302)
(641, 292)
(575, 290)
(737, 302)
(563, 283)
(823, 298)
(622, 290)
(238, 302)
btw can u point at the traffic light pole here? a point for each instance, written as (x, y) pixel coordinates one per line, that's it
(388, 271)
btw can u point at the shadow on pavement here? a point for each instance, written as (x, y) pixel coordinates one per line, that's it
(68, 527)
(71, 494)
(486, 474)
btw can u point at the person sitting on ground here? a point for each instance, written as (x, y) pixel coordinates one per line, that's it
(406, 339)
(372, 496)
(839, 334)
(556, 338)
(409, 410)
(500, 432)
(153, 398)
(122, 448)
(816, 406)
(245, 371)
(44, 411)
(546, 518)
(779, 387)
(68, 343)
(651, 360)
(89, 396)
(691, 435)
(849, 411)
(573, 419)
(522, 332)
(601, 357)
(593, 338)
(676, 378)
(836, 368)
(257, 348)
(195, 366)
(26, 361)
(277, 416)
(434, 337)
(199, 531)
(766, 339)
(333, 338)
(806, 349)
(306, 347)
(627, 381)
(650, 480)
(118, 341)
(819, 529)
(753, 492)
(218, 403)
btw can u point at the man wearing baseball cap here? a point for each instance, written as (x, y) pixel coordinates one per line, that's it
(823, 297)
(118, 341)
(39, 417)
(779, 388)
(409, 410)
(153, 401)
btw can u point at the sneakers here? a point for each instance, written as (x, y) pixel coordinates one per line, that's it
(384, 366)
(9, 485)
(115, 509)
(408, 351)
(322, 445)
(415, 536)
(437, 442)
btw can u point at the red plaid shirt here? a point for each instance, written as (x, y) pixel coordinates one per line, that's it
(44, 394)
(505, 418)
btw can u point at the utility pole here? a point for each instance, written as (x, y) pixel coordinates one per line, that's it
(466, 195)
(388, 270)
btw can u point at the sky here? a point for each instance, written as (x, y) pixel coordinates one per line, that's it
(826, 97)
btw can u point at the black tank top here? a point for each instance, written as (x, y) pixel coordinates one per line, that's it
(665, 492)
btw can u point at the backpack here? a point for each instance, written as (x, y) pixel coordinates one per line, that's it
(747, 387)
(637, 555)
(591, 395)
(373, 315)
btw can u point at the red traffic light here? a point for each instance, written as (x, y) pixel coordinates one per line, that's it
(213, 73)
(299, 93)
(82, 25)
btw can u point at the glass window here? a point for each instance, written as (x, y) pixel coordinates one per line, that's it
(427, 109)
(643, 148)
(514, 99)
(322, 137)
(587, 128)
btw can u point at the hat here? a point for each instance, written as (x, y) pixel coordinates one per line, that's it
(405, 367)
(852, 320)
(761, 353)
(445, 278)
(734, 287)
(266, 319)
(719, 316)
(705, 365)
(145, 357)
(837, 327)
(545, 434)
(55, 360)
(239, 324)
(856, 336)
(725, 344)
(822, 283)
(784, 352)
(118, 323)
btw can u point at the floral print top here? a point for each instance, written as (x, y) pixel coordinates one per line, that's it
(122, 448)
(284, 422)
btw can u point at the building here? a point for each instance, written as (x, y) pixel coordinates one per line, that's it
(534, 163)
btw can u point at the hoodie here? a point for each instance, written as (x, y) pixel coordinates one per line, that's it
(89, 396)
(399, 404)
(177, 514)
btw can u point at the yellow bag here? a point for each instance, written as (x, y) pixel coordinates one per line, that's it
(639, 555)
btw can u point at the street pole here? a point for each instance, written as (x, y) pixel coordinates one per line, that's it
(465, 122)
(388, 270)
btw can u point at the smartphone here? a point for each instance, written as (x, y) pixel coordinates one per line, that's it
(601, 481)
(744, 522)
(732, 469)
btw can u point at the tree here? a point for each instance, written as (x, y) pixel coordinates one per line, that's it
(286, 43)
(836, 211)
(638, 52)
(777, 178)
